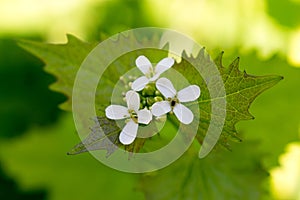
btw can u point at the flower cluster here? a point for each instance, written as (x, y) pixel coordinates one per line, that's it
(152, 96)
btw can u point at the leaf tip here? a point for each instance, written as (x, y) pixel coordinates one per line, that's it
(234, 66)
(236, 62)
(219, 58)
(71, 37)
(25, 44)
(275, 79)
(236, 138)
(201, 53)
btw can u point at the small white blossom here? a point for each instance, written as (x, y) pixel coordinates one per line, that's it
(174, 100)
(132, 112)
(151, 73)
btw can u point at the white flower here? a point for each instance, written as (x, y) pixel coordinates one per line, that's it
(174, 100)
(151, 74)
(132, 112)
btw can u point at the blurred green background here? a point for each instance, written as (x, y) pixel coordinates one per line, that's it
(35, 135)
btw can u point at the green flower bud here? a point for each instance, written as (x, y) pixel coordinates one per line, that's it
(149, 90)
(157, 93)
(143, 93)
(158, 98)
(150, 101)
(144, 102)
(141, 105)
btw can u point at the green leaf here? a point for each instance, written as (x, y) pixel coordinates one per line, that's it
(241, 90)
(62, 61)
(103, 136)
(226, 175)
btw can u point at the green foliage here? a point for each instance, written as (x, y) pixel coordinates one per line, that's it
(241, 90)
(63, 61)
(221, 175)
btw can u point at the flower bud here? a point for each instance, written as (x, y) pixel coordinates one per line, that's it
(144, 102)
(149, 90)
(142, 105)
(150, 101)
(157, 93)
(158, 98)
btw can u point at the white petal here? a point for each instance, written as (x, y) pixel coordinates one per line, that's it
(116, 112)
(164, 65)
(144, 116)
(183, 114)
(165, 87)
(143, 64)
(128, 133)
(133, 100)
(190, 93)
(160, 108)
(140, 83)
